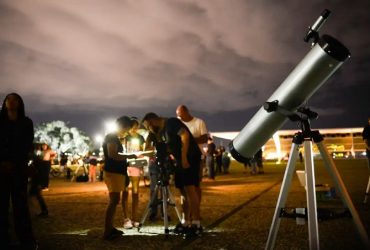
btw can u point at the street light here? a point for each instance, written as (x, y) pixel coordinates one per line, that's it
(99, 139)
(110, 126)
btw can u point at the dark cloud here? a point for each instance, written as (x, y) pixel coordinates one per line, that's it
(91, 60)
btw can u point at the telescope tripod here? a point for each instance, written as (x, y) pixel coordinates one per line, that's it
(306, 137)
(162, 188)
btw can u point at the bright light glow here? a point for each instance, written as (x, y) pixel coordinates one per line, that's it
(135, 141)
(276, 139)
(110, 127)
(99, 138)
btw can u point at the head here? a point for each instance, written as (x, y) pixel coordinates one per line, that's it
(152, 123)
(13, 103)
(124, 124)
(183, 113)
(135, 126)
(44, 146)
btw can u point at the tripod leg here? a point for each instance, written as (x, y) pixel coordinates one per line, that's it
(313, 228)
(367, 190)
(173, 203)
(150, 204)
(339, 185)
(165, 211)
(282, 196)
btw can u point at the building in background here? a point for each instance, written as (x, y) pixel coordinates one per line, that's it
(340, 142)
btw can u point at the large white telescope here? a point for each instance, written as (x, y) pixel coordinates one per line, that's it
(325, 57)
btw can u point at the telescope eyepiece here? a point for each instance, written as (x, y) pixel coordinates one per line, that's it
(313, 31)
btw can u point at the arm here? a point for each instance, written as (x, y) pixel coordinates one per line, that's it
(184, 135)
(201, 139)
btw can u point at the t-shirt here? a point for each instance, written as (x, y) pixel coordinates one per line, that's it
(197, 128)
(173, 140)
(16, 140)
(133, 143)
(111, 165)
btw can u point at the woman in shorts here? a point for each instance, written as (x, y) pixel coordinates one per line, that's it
(133, 143)
(115, 170)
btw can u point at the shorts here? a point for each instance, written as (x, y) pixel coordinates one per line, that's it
(115, 182)
(188, 176)
(134, 171)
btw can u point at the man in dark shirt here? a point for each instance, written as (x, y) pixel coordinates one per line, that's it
(182, 146)
(366, 138)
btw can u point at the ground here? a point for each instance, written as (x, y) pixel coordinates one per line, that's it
(236, 211)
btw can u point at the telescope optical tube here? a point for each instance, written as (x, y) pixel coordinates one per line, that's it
(306, 78)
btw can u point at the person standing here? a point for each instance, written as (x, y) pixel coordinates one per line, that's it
(63, 165)
(16, 143)
(133, 143)
(210, 158)
(258, 158)
(199, 131)
(225, 161)
(218, 159)
(48, 156)
(366, 138)
(93, 163)
(115, 171)
(35, 187)
(183, 148)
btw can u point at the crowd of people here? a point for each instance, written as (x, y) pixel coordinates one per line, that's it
(183, 140)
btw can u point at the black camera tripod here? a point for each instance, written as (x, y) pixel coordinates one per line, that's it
(162, 188)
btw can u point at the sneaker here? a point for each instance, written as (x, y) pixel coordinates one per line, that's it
(193, 231)
(179, 229)
(114, 233)
(127, 224)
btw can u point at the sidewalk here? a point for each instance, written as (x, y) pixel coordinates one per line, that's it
(237, 211)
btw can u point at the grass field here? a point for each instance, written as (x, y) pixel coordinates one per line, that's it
(237, 211)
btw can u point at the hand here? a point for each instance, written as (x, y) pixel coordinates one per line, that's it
(139, 156)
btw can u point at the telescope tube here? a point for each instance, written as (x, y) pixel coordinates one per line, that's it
(306, 78)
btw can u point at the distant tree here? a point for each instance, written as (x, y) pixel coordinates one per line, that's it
(62, 138)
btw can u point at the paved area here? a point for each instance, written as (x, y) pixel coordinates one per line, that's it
(237, 211)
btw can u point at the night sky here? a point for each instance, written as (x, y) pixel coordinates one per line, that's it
(85, 61)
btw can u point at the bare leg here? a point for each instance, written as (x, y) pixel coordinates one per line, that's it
(193, 201)
(124, 203)
(185, 206)
(135, 180)
(111, 209)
